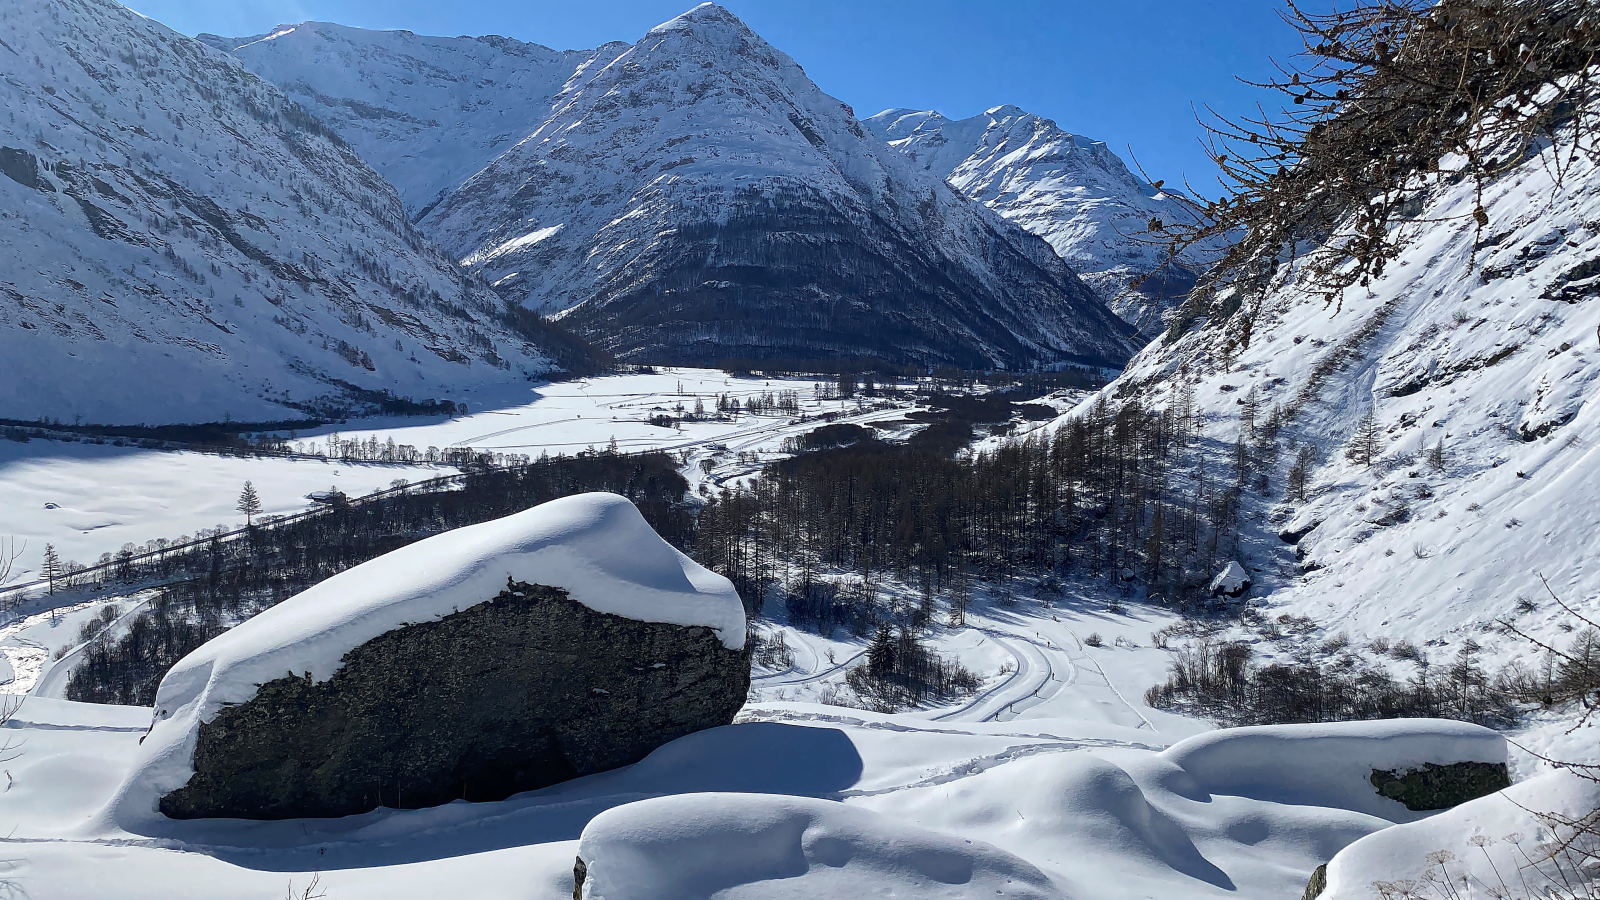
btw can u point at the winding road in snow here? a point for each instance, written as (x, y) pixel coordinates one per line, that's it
(1048, 663)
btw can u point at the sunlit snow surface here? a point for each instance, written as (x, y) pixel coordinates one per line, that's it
(1486, 349)
(89, 499)
(1047, 782)
(795, 800)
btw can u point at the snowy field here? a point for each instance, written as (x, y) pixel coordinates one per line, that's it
(90, 499)
(1053, 782)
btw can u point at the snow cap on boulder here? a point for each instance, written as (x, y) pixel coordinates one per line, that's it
(1332, 764)
(1232, 581)
(596, 547)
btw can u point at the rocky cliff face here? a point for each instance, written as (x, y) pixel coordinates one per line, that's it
(181, 242)
(1070, 190)
(695, 197)
(519, 692)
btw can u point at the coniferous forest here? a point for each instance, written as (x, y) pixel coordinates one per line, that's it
(819, 532)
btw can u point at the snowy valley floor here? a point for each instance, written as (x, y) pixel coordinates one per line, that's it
(1053, 779)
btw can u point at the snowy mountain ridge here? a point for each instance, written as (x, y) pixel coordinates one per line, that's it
(1070, 190)
(695, 196)
(427, 112)
(182, 243)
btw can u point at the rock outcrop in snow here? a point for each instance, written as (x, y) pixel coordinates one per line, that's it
(1070, 190)
(497, 658)
(695, 197)
(182, 243)
(1489, 847)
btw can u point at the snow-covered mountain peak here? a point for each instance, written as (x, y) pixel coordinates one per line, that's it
(709, 21)
(702, 148)
(426, 112)
(182, 243)
(1071, 190)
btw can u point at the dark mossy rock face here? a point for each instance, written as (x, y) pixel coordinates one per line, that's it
(1317, 884)
(513, 694)
(1441, 787)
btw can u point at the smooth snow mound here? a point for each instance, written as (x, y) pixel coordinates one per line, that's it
(749, 846)
(1329, 764)
(596, 546)
(1485, 845)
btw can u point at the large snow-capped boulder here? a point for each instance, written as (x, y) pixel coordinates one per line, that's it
(1232, 581)
(556, 642)
(1368, 767)
(774, 847)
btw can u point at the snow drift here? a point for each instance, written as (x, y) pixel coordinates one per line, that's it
(1233, 812)
(752, 846)
(596, 546)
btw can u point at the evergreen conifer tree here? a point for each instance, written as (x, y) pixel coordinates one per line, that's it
(1367, 443)
(249, 503)
(51, 569)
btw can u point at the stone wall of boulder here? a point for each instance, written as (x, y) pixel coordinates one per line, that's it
(519, 692)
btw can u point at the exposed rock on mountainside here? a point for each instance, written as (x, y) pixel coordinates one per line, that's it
(1072, 191)
(181, 242)
(695, 197)
(497, 658)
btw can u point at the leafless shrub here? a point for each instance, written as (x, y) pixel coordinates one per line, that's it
(1388, 100)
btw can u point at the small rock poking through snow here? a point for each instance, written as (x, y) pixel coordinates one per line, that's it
(1486, 847)
(1232, 581)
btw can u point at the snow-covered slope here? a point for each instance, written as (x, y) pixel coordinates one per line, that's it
(698, 197)
(1072, 191)
(180, 242)
(1486, 352)
(426, 112)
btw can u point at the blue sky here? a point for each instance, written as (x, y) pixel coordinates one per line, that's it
(1122, 71)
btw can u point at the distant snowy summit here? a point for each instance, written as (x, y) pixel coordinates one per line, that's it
(1070, 190)
(427, 112)
(693, 197)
